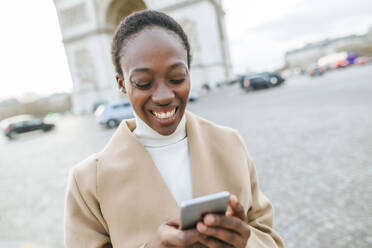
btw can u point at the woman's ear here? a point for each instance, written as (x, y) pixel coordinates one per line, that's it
(121, 84)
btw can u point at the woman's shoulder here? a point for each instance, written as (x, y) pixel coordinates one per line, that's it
(207, 127)
(84, 173)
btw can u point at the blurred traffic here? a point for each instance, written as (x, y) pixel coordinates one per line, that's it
(262, 80)
(110, 115)
(20, 124)
(37, 114)
(336, 61)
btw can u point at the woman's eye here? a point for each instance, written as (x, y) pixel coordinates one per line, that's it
(142, 85)
(177, 81)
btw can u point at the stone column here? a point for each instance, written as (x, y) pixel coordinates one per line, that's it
(87, 44)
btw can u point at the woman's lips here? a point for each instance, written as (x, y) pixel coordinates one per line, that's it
(165, 117)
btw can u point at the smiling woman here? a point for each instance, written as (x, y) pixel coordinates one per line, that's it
(128, 194)
(156, 78)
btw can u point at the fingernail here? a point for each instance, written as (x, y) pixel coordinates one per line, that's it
(201, 227)
(235, 198)
(209, 219)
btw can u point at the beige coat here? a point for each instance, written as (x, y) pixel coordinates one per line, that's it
(117, 198)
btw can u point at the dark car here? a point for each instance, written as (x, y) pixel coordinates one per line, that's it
(261, 80)
(24, 123)
(193, 96)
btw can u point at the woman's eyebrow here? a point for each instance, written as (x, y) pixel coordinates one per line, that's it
(140, 70)
(143, 69)
(177, 65)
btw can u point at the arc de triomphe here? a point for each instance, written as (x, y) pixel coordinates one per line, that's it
(87, 27)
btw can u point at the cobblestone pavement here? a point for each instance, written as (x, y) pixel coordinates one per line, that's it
(311, 140)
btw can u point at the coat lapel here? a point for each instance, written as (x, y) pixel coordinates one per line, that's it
(198, 159)
(134, 197)
(209, 173)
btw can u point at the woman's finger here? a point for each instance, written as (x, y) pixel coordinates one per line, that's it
(228, 222)
(237, 208)
(173, 221)
(227, 236)
(212, 243)
(198, 245)
(171, 236)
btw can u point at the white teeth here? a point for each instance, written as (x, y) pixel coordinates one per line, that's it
(163, 115)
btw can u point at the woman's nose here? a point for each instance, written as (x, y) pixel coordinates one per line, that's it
(163, 95)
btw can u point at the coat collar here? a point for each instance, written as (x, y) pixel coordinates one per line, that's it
(126, 150)
(128, 178)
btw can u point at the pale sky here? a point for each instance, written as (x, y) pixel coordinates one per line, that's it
(32, 57)
(261, 31)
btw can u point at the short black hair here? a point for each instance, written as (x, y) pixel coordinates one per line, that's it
(138, 21)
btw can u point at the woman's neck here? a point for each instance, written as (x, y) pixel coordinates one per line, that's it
(150, 138)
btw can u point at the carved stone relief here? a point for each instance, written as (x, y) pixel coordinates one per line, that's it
(85, 69)
(74, 16)
(190, 28)
(119, 9)
(158, 4)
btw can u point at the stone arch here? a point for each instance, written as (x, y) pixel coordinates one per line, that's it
(119, 9)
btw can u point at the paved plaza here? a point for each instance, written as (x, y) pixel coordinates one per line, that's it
(311, 140)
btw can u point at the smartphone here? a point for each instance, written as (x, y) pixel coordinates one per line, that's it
(193, 210)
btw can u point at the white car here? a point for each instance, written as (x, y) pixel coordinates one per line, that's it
(111, 115)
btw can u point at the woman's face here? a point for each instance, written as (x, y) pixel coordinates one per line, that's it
(156, 78)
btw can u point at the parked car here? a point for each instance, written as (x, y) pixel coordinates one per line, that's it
(340, 64)
(316, 71)
(260, 80)
(97, 104)
(361, 60)
(110, 115)
(193, 96)
(24, 123)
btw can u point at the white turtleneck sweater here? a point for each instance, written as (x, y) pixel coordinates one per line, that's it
(170, 155)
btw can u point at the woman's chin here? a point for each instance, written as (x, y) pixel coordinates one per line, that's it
(166, 125)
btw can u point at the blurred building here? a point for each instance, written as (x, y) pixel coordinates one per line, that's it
(88, 25)
(310, 53)
(9, 101)
(38, 106)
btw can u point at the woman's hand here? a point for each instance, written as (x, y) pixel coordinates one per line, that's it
(230, 230)
(168, 235)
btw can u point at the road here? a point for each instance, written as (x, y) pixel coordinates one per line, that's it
(311, 140)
